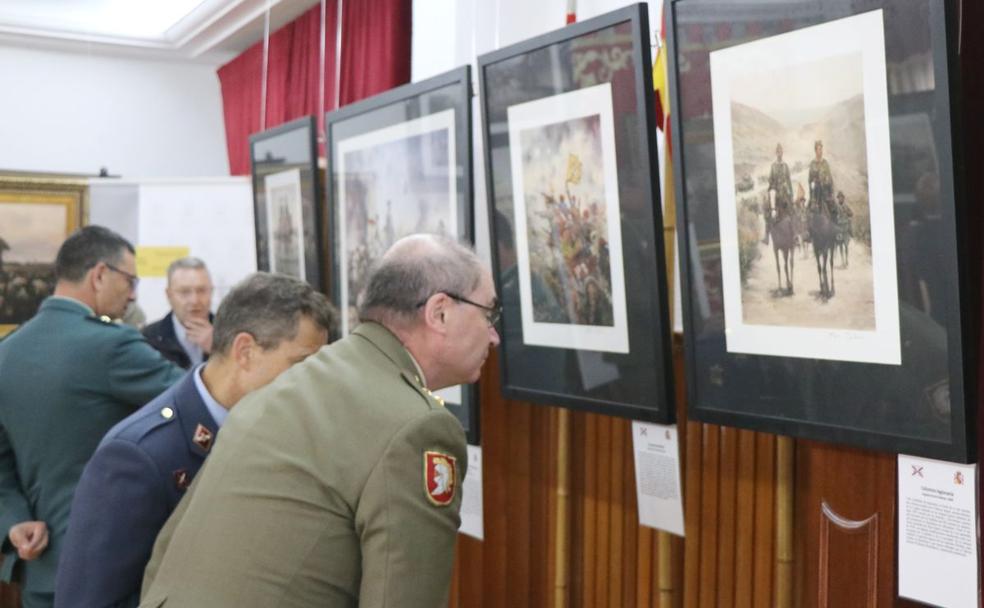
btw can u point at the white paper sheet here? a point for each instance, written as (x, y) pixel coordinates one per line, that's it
(472, 522)
(937, 537)
(657, 468)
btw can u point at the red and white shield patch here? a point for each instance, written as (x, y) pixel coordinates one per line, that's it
(203, 437)
(440, 478)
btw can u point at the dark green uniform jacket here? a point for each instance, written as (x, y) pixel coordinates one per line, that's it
(66, 377)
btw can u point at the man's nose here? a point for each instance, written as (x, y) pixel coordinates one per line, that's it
(493, 336)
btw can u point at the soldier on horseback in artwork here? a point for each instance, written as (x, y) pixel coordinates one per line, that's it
(822, 220)
(821, 183)
(782, 186)
(780, 222)
(845, 230)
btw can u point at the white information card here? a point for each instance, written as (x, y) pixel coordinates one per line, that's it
(657, 469)
(938, 542)
(471, 501)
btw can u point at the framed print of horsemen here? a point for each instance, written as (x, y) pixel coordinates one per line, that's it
(815, 168)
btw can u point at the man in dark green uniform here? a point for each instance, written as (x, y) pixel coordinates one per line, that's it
(66, 377)
(339, 484)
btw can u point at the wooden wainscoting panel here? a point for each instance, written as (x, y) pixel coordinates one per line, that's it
(616, 534)
(745, 519)
(763, 553)
(840, 537)
(692, 499)
(710, 464)
(844, 560)
(727, 501)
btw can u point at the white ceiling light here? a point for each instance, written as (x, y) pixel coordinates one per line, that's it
(206, 30)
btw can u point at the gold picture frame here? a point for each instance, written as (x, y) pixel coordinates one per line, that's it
(37, 213)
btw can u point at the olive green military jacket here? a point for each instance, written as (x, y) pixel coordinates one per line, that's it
(66, 377)
(336, 485)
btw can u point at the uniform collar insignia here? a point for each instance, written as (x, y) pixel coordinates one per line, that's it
(202, 437)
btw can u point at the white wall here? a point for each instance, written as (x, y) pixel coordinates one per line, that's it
(75, 113)
(213, 217)
(451, 33)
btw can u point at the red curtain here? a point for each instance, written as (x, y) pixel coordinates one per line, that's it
(375, 58)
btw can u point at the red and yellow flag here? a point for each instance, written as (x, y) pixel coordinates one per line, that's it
(661, 86)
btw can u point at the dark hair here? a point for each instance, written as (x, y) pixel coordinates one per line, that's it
(416, 268)
(85, 248)
(269, 308)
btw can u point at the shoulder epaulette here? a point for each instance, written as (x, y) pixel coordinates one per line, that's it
(101, 319)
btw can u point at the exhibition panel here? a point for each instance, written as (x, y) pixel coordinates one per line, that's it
(572, 181)
(825, 291)
(286, 196)
(400, 163)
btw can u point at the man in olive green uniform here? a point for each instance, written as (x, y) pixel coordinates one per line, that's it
(339, 484)
(66, 377)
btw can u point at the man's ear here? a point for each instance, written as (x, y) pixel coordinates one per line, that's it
(436, 311)
(96, 276)
(243, 348)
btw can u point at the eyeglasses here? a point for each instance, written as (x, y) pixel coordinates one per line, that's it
(492, 313)
(132, 279)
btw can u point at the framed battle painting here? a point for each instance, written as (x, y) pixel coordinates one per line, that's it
(572, 181)
(399, 163)
(286, 200)
(814, 147)
(36, 215)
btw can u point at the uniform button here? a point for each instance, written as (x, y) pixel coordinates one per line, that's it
(167, 413)
(105, 319)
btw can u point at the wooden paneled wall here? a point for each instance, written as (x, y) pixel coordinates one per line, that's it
(594, 552)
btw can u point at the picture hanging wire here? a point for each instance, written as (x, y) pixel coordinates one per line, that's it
(266, 57)
(338, 52)
(321, 76)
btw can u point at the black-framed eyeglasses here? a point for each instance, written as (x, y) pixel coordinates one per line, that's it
(132, 279)
(492, 313)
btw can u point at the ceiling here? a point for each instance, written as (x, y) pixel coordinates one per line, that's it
(207, 31)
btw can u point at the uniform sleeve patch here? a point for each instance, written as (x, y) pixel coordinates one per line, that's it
(440, 477)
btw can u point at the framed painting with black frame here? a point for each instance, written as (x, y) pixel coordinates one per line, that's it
(37, 213)
(399, 163)
(572, 177)
(825, 292)
(286, 201)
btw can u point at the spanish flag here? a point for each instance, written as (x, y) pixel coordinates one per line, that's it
(661, 86)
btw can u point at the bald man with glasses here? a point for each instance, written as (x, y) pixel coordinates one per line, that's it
(339, 484)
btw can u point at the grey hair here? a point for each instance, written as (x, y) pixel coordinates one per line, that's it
(413, 270)
(186, 263)
(269, 308)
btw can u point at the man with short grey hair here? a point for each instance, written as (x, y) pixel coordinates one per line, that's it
(340, 482)
(145, 463)
(184, 335)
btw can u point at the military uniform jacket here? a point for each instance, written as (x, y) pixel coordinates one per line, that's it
(316, 494)
(66, 377)
(162, 337)
(132, 484)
